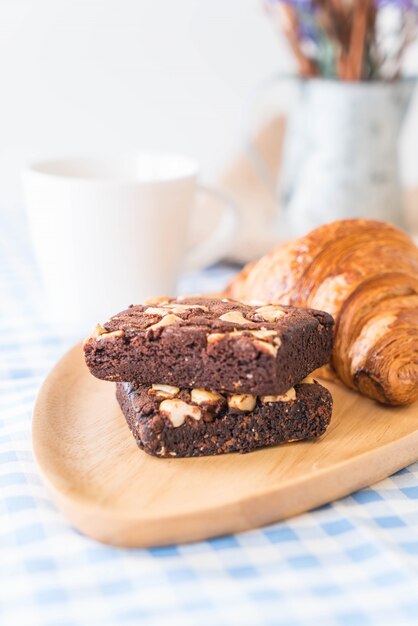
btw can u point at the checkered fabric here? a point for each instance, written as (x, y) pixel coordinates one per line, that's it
(350, 563)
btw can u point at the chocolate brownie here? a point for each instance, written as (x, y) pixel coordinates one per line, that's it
(211, 343)
(170, 422)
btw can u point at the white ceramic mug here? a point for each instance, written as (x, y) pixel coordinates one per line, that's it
(110, 231)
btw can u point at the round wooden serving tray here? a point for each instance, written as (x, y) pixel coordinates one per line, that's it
(117, 494)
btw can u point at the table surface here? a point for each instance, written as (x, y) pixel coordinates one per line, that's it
(351, 563)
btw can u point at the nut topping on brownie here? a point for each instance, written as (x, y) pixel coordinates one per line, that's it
(284, 397)
(202, 396)
(167, 320)
(269, 313)
(178, 410)
(234, 317)
(242, 402)
(164, 391)
(211, 343)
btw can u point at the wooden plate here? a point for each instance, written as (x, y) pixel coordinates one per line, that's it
(117, 494)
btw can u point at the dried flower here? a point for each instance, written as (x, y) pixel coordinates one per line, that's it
(348, 39)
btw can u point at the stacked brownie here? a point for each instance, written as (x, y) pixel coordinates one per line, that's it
(201, 376)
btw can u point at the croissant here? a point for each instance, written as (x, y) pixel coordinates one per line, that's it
(365, 274)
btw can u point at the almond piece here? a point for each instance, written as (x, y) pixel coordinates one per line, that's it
(167, 320)
(270, 313)
(243, 402)
(163, 391)
(108, 335)
(154, 310)
(177, 411)
(202, 396)
(285, 397)
(234, 317)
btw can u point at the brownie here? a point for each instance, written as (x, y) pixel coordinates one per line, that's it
(170, 422)
(211, 343)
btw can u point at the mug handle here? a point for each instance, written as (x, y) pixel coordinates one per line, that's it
(216, 246)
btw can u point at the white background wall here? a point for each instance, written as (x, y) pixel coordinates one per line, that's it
(100, 75)
(80, 76)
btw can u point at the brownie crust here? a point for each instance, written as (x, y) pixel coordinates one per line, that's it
(216, 427)
(212, 344)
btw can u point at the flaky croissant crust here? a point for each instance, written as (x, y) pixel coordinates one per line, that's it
(365, 274)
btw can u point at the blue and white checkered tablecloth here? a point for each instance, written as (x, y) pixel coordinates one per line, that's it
(351, 563)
